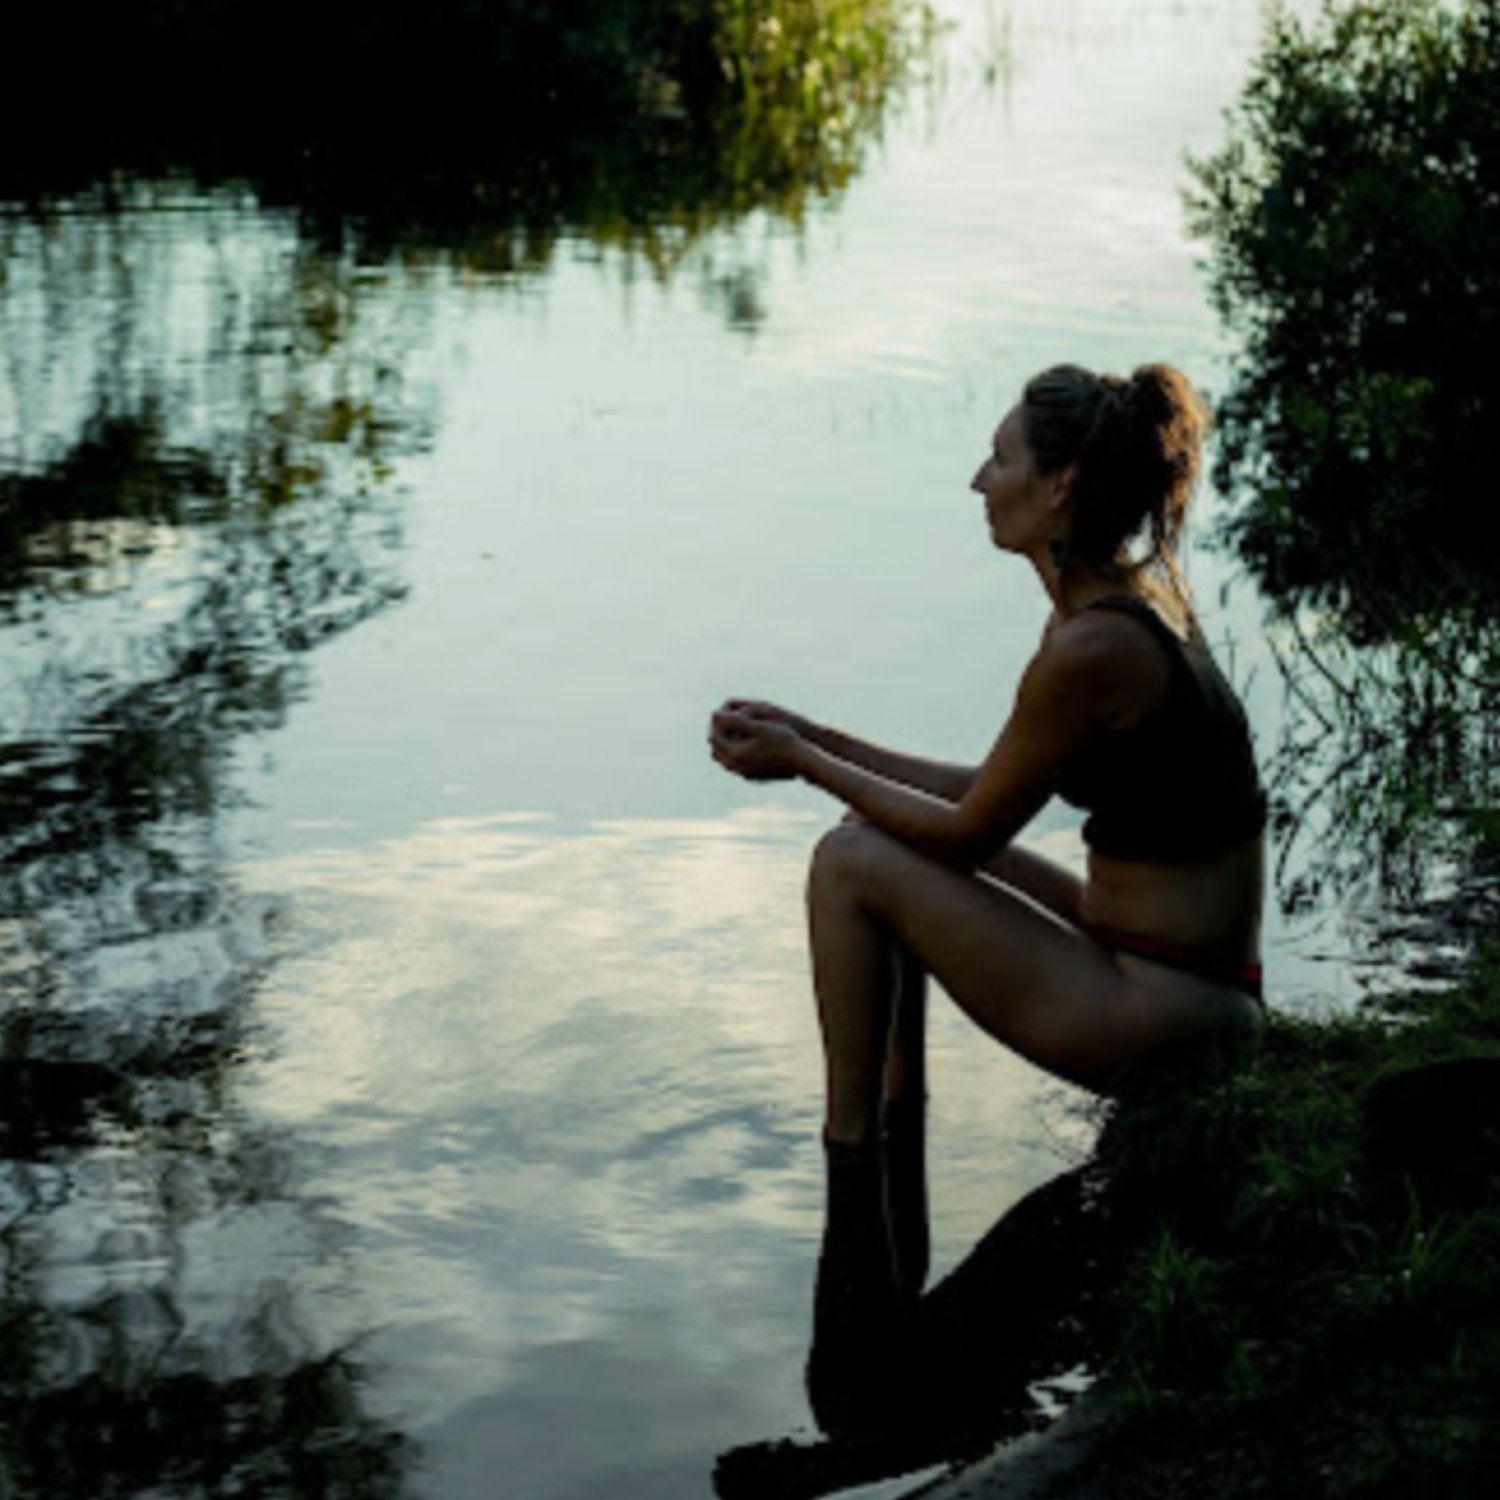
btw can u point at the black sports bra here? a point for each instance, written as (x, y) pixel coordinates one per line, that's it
(1180, 785)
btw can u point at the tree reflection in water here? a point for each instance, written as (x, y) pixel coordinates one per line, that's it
(179, 519)
(200, 407)
(637, 126)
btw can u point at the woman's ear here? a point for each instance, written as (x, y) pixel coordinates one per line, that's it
(1060, 487)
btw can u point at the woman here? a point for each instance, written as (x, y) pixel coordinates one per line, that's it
(1121, 711)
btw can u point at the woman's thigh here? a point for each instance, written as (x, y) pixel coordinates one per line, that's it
(1041, 985)
(1050, 884)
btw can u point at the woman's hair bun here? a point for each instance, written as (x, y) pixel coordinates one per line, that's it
(1135, 446)
(1148, 393)
(1161, 398)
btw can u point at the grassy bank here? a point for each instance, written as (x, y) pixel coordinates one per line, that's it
(1312, 1306)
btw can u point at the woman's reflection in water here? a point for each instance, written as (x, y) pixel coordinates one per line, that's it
(899, 1377)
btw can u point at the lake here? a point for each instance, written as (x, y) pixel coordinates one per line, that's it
(412, 1079)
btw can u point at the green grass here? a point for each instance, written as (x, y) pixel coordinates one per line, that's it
(1297, 1277)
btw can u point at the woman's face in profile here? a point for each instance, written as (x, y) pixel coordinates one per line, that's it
(1007, 480)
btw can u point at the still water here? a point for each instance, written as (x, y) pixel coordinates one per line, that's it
(412, 1081)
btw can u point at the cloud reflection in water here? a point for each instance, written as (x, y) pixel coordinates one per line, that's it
(565, 1080)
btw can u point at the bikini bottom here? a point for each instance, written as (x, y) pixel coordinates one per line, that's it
(1245, 977)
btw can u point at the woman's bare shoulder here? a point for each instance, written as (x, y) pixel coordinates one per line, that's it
(1110, 637)
(1114, 652)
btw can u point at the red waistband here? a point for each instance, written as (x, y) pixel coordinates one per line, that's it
(1243, 976)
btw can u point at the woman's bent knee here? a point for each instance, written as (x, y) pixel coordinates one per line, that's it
(848, 849)
(845, 854)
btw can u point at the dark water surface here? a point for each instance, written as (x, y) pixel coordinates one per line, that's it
(409, 1084)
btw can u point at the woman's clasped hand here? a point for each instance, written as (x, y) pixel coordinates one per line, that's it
(757, 740)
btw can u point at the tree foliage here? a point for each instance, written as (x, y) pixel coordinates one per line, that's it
(1354, 221)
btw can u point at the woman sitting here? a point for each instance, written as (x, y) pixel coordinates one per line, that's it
(1122, 711)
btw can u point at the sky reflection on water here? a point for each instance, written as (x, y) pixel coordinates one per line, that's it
(576, 1139)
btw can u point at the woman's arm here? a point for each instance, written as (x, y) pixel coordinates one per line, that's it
(1059, 708)
(937, 778)
(914, 816)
